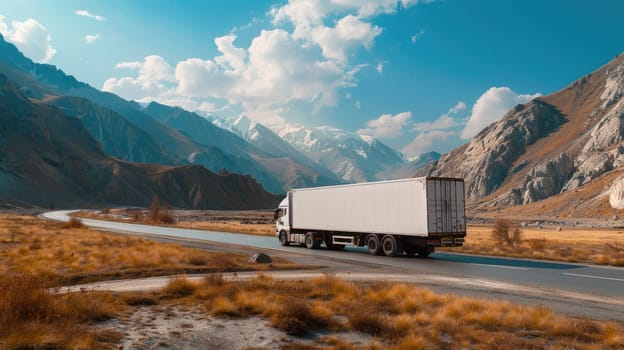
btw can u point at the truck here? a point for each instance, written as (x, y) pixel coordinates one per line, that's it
(408, 216)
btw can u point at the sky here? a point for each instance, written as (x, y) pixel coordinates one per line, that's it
(420, 75)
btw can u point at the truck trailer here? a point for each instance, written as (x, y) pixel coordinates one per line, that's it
(408, 216)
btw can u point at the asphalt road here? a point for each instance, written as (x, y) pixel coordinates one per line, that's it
(586, 279)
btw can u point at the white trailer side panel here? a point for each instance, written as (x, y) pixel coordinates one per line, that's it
(391, 207)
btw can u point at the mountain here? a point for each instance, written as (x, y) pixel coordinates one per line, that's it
(565, 145)
(48, 158)
(417, 163)
(278, 171)
(269, 142)
(118, 137)
(352, 157)
(158, 134)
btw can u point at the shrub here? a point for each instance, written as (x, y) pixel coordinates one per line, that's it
(73, 222)
(295, 317)
(179, 287)
(503, 232)
(165, 217)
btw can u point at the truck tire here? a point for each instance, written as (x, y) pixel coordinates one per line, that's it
(311, 242)
(372, 243)
(389, 245)
(283, 238)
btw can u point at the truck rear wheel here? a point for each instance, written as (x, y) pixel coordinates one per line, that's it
(283, 238)
(311, 242)
(372, 243)
(389, 245)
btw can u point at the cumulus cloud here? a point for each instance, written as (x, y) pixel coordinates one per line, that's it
(304, 58)
(387, 125)
(30, 37)
(91, 38)
(85, 13)
(154, 81)
(492, 106)
(425, 142)
(445, 121)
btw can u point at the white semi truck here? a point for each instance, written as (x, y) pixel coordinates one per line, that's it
(411, 216)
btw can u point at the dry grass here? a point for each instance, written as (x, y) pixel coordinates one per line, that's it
(399, 316)
(67, 255)
(219, 223)
(32, 317)
(36, 255)
(597, 246)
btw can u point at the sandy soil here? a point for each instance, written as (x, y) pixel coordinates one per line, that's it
(157, 327)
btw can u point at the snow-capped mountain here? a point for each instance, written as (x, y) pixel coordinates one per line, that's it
(352, 157)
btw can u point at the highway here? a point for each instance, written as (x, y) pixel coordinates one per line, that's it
(591, 284)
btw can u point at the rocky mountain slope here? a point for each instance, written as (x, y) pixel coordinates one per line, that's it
(48, 158)
(565, 145)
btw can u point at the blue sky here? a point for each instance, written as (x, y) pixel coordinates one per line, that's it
(419, 75)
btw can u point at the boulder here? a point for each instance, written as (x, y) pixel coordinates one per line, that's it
(260, 258)
(616, 194)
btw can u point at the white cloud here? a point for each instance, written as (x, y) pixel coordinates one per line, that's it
(380, 68)
(443, 122)
(349, 32)
(425, 142)
(492, 106)
(85, 13)
(129, 65)
(91, 38)
(417, 36)
(387, 125)
(358, 105)
(460, 106)
(306, 60)
(30, 37)
(155, 80)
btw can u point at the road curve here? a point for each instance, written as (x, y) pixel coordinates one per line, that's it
(586, 282)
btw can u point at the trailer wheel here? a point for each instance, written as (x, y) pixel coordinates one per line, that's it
(283, 238)
(374, 248)
(389, 245)
(310, 242)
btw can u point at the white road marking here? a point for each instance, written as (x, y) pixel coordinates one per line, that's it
(503, 267)
(597, 277)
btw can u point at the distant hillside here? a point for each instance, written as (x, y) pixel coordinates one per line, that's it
(557, 146)
(48, 158)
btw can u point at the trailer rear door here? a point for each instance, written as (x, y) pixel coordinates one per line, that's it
(445, 206)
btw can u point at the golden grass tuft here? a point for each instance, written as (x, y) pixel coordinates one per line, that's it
(179, 287)
(32, 317)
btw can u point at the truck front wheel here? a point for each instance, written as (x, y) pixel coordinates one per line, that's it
(389, 245)
(283, 238)
(372, 243)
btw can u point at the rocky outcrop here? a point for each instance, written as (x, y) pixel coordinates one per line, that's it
(545, 180)
(486, 161)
